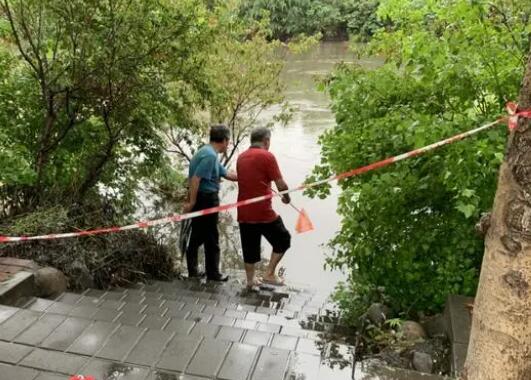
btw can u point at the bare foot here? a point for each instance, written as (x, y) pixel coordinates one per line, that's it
(256, 283)
(273, 280)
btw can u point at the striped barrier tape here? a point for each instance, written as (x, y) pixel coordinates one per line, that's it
(511, 120)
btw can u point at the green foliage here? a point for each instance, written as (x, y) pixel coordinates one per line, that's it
(331, 18)
(409, 229)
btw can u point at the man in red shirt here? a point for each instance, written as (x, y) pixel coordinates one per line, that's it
(256, 169)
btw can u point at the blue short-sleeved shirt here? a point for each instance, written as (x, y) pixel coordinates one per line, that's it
(205, 164)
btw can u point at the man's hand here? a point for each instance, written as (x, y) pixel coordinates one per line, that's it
(286, 199)
(187, 207)
(232, 176)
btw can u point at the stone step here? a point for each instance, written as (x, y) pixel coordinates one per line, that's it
(163, 331)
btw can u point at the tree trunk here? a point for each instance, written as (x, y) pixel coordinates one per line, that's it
(500, 342)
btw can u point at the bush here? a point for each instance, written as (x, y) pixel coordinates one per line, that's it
(408, 230)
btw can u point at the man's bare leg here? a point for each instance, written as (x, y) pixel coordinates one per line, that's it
(250, 273)
(270, 276)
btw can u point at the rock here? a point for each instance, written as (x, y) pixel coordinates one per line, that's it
(378, 313)
(434, 326)
(422, 362)
(412, 331)
(50, 282)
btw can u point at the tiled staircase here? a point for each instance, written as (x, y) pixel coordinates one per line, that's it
(180, 330)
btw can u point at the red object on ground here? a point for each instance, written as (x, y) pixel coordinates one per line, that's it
(81, 377)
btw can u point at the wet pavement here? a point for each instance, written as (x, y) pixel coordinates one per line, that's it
(181, 330)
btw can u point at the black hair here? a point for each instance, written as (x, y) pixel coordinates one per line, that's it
(219, 133)
(258, 135)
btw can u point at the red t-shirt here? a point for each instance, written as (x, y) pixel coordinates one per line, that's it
(256, 168)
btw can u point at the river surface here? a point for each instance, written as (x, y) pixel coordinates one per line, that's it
(297, 151)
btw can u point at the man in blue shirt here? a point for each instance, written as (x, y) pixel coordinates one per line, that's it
(204, 176)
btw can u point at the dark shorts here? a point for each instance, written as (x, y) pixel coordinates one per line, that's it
(251, 235)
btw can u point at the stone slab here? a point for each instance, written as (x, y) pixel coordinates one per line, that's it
(304, 367)
(179, 327)
(120, 343)
(65, 334)
(208, 359)
(458, 318)
(6, 312)
(272, 364)
(205, 330)
(179, 353)
(107, 370)
(458, 357)
(40, 330)
(257, 338)
(54, 361)
(284, 342)
(13, 353)
(16, 373)
(149, 347)
(155, 322)
(239, 362)
(231, 334)
(18, 322)
(16, 286)
(93, 338)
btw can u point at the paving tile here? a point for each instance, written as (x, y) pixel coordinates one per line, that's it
(257, 338)
(304, 367)
(54, 361)
(93, 338)
(245, 324)
(133, 298)
(153, 300)
(179, 327)
(257, 317)
(120, 343)
(115, 295)
(83, 311)
(240, 314)
(195, 308)
(199, 317)
(189, 299)
(271, 365)
(155, 310)
(232, 334)
(65, 334)
(60, 308)
(106, 370)
(284, 342)
(89, 301)
(49, 376)
(69, 298)
(37, 332)
(294, 331)
(204, 329)
(278, 320)
(161, 375)
(265, 310)
(18, 322)
(40, 304)
(178, 314)
(106, 315)
(179, 353)
(111, 304)
(149, 347)
(132, 308)
(8, 372)
(239, 362)
(214, 310)
(13, 353)
(154, 322)
(96, 293)
(208, 359)
(268, 327)
(6, 312)
(130, 319)
(308, 346)
(173, 306)
(222, 320)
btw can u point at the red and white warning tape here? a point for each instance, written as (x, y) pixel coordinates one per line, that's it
(511, 120)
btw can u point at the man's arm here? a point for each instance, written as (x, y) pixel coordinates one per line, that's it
(283, 186)
(193, 184)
